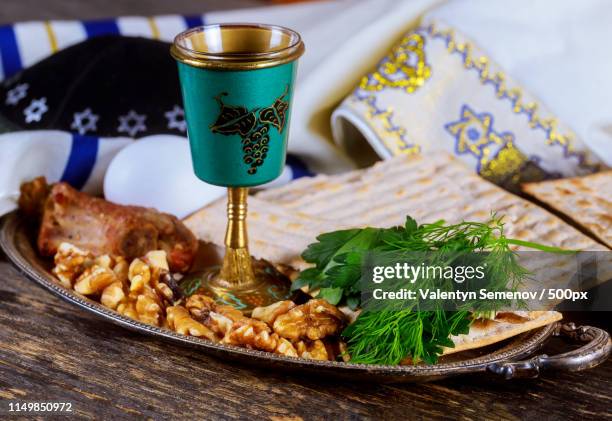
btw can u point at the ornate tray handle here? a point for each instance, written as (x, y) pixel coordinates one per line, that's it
(596, 350)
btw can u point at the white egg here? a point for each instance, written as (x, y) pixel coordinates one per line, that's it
(156, 172)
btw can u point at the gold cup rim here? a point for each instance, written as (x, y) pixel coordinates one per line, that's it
(225, 60)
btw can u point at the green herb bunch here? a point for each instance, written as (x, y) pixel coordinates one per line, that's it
(390, 335)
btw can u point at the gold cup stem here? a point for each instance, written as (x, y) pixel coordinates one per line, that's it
(237, 282)
(237, 269)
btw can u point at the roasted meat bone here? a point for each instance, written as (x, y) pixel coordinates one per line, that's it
(102, 227)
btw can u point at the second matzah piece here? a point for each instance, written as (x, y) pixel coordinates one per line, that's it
(585, 200)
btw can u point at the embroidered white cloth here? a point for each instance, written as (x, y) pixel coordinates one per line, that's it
(555, 49)
(437, 90)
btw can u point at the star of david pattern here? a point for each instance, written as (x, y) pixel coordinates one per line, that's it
(35, 111)
(176, 119)
(474, 134)
(132, 123)
(16, 94)
(85, 121)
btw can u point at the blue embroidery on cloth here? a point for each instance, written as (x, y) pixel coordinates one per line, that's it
(474, 135)
(514, 95)
(81, 161)
(386, 116)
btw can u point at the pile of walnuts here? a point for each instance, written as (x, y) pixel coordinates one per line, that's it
(309, 330)
(140, 290)
(135, 290)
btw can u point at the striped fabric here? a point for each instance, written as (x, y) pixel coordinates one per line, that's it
(81, 161)
(26, 43)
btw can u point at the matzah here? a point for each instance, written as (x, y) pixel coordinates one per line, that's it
(283, 221)
(489, 331)
(585, 200)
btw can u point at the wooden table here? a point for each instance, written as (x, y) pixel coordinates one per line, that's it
(52, 351)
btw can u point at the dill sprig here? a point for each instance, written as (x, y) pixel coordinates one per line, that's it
(388, 337)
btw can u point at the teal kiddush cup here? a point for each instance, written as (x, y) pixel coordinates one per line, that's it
(237, 84)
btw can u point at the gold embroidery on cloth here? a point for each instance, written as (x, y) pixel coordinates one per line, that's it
(514, 95)
(474, 131)
(392, 135)
(405, 67)
(509, 167)
(498, 159)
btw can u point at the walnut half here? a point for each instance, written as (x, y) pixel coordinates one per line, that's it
(94, 280)
(180, 321)
(269, 313)
(254, 334)
(70, 262)
(314, 320)
(315, 350)
(147, 295)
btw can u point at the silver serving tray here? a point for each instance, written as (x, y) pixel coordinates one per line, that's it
(500, 358)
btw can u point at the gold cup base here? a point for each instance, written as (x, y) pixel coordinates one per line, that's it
(266, 288)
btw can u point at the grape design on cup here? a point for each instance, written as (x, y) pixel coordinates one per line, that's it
(252, 126)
